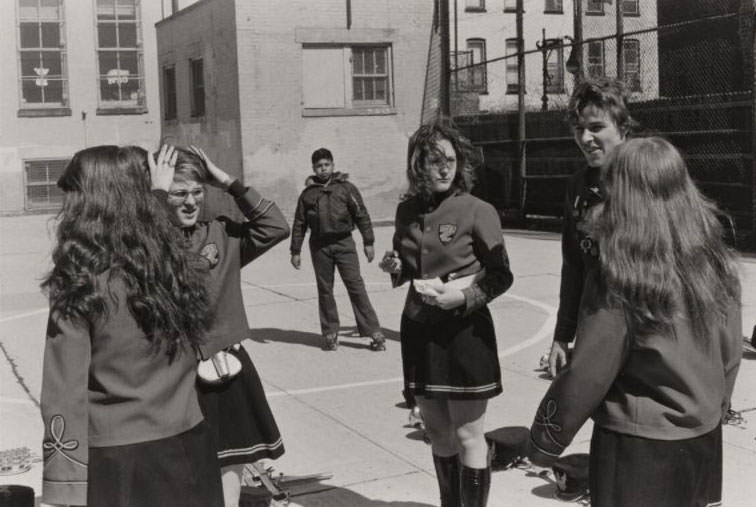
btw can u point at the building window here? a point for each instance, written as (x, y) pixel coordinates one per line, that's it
(477, 75)
(555, 71)
(510, 5)
(631, 7)
(42, 56)
(594, 7)
(631, 63)
(460, 79)
(595, 61)
(553, 7)
(370, 76)
(475, 5)
(120, 56)
(41, 178)
(347, 78)
(197, 86)
(169, 92)
(512, 49)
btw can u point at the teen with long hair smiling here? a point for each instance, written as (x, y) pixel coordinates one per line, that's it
(123, 426)
(449, 355)
(662, 314)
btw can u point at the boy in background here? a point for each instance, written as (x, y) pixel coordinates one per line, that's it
(331, 207)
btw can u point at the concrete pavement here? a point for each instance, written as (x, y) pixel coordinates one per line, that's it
(340, 412)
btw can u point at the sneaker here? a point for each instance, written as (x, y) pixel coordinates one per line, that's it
(330, 341)
(378, 341)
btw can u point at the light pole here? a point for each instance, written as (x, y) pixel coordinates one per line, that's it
(547, 46)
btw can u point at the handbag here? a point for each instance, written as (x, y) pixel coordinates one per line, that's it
(218, 369)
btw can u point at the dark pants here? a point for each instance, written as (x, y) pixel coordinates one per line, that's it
(341, 254)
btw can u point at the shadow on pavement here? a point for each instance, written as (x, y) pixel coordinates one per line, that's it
(341, 497)
(269, 334)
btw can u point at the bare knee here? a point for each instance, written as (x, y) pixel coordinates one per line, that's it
(231, 477)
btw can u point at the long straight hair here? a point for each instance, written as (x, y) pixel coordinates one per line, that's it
(661, 242)
(111, 221)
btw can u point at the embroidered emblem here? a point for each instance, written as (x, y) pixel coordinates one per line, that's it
(55, 443)
(446, 232)
(210, 252)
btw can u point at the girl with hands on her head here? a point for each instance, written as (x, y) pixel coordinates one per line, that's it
(234, 404)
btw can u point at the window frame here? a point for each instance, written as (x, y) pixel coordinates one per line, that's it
(633, 13)
(170, 95)
(511, 64)
(593, 65)
(635, 85)
(556, 8)
(558, 54)
(480, 7)
(352, 106)
(387, 76)
(482, 70)
(43, 108)
(197, 108)
(594, 8)
(50, 184)
(120, 105)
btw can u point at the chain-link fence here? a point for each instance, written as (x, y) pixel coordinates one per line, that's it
(690, 75)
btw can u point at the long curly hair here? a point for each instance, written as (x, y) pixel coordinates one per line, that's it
(662, 247)
(110, 221)
(423, 144)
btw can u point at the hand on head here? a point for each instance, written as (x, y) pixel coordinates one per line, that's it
(163, 168)
(219, 177)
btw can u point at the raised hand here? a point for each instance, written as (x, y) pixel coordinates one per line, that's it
(162, 169)
(218, 177)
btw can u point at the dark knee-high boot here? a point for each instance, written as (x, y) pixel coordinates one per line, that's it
(475, 483)
(447, 472)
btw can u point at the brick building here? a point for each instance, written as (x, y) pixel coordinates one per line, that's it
(262, 84)
(76, 74)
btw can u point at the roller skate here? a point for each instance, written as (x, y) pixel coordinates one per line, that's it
(378, 341)
(330, 341)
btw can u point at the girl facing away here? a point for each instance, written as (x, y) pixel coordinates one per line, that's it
(123, 425)
(662, 311)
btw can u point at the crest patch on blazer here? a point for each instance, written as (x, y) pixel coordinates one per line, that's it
(446, 232)
(210, 252)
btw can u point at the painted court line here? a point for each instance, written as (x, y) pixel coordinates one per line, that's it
(545, 330)
(24, 315)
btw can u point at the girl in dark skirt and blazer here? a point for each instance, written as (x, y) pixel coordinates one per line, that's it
(658, 340)
(123, 426)
(236, 409)
(450, 246)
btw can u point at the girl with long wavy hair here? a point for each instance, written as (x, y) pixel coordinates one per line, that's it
(662, 312)
(128, 310)
(450, 245)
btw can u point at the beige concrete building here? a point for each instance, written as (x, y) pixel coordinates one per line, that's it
(77, 73)
(486, 30)
(262, 84)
